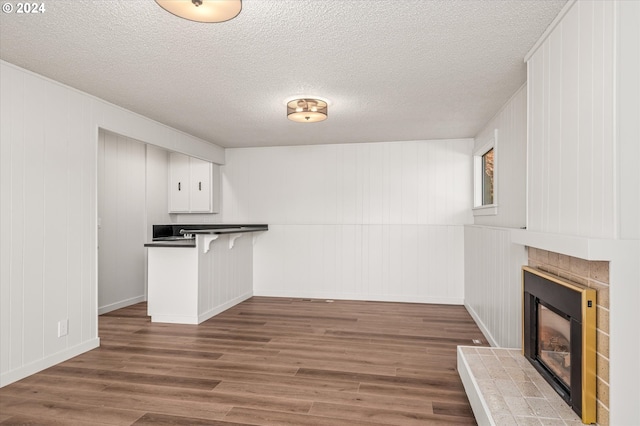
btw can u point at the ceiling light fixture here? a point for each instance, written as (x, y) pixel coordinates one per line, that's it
(307, 110)
(203, 10)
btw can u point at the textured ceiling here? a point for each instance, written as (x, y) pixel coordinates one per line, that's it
(392, 69)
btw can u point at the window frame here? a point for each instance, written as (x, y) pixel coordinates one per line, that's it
(480, 209)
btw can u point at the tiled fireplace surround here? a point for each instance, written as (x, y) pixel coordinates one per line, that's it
(593, 274)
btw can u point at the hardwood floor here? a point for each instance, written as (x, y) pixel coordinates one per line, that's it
(267, 361)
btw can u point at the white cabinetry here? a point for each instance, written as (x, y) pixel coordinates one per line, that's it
(192, 188)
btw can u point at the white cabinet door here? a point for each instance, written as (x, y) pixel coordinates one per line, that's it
(190, 185)
(200, 186)
(178, 183)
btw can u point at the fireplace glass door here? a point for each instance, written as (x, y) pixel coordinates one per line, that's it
(554, 343)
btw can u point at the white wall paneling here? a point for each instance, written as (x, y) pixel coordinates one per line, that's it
(511, 123)
(419, 182)
(156, 188)
(225, 274)
(48, 246)
(493, 284)
(571, 145)
(492, 288)
(379, 221)
(48, 212)
(122, 221)
(405, 263)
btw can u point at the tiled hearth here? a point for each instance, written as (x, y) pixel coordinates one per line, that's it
(505, 389)
(593, 274)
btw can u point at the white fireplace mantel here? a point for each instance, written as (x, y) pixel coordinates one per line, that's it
(581, 247)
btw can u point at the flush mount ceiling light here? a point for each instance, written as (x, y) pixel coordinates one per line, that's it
(203, 10)
(307, 110)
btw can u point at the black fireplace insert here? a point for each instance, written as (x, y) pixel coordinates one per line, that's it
(559, 337)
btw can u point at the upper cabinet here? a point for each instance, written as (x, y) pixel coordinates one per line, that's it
(193, 185)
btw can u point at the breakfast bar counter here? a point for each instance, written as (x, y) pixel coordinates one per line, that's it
(197, 271)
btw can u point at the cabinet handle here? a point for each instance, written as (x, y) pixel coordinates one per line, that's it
(179, 187)
(199, 186)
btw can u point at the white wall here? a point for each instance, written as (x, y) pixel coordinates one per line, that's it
(377, 221)
(628, 114)
(132, 196)
(48, 225)
(225, 273)
(493, 283)
(492, 262)
(571, 125)
(625, 296)
(121, 215)
(511, 123)
(157, 193)
(48, 211)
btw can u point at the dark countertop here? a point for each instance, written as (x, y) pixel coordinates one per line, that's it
(229, 230)
(184, 242)
(174, 235)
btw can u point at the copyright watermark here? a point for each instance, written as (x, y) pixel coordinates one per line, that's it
(24, 8)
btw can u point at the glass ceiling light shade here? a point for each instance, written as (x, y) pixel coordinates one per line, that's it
(203, 10)
(307, 110)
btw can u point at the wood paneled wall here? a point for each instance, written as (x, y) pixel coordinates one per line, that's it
(157, 194)
(48, 214)
(407, 263)
(132, 196)
(122, 218)
(571, 150)
(225, 274)
(48, 223)
(493, 283)
(378, 221)
(511, 123)
(492, 289)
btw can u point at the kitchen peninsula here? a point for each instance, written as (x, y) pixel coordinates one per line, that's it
(197, 271)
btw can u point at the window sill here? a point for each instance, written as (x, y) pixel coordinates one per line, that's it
(490, 210)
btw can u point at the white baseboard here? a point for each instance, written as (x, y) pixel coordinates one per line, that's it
(121, 304)
(482, 326)
(42, 364)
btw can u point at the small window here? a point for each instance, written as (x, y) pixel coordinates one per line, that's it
(487, 177)
(485, 159)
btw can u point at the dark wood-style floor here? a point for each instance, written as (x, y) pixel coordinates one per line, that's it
(267, 361)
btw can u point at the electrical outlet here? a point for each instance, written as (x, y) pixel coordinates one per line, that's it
(63, 327)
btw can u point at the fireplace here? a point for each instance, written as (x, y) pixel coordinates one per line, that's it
(559, 337)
